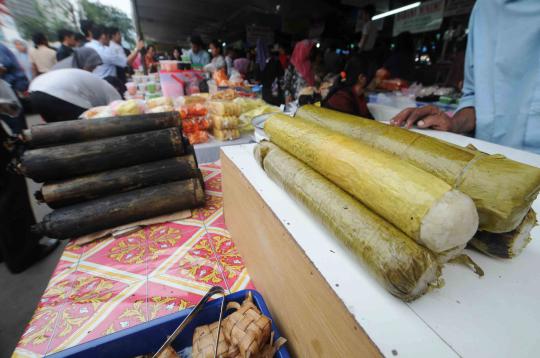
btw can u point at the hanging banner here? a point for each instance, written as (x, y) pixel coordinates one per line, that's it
(426, 17)
(458, 7)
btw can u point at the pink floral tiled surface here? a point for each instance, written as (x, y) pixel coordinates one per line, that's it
(110, 285)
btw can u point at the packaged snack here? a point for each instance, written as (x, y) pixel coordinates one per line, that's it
(193, 110)
(160, 109)
(195, 124)
(226, 134)
(127, 108)
(224, 122)
(224, 108)
(97, 112)
(198, 137)
(220, 76)
(159, 102)
(228, 94)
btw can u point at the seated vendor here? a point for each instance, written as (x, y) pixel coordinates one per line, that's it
(71, 88)
(501, 90)
(218, 61)
(347, 95)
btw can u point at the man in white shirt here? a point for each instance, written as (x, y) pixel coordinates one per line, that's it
(369, 30)
(110, 57)
(116, 46)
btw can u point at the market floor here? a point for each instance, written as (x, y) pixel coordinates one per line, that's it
(20, 293)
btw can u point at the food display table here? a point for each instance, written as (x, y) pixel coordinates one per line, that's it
(328, 305)
(113, 284)
(209, 152)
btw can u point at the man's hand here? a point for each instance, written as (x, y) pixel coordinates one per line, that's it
(424, 117)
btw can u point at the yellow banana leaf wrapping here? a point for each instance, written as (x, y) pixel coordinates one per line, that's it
(506, 245)
(403, 267)
(502, 189)
(394, 189)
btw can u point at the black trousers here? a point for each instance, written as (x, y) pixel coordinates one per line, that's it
(53, 109)
(19, 248)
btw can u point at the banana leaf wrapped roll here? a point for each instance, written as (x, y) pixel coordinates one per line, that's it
(505, 245)
(424, 207)
(403, 267)
(503, 190)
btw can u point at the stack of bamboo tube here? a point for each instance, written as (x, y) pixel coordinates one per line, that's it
(403, 203)
(102, 173)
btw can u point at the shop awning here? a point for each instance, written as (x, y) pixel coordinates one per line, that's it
(173, 21)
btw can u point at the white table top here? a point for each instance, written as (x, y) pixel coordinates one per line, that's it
(497, 315)
(209, 152)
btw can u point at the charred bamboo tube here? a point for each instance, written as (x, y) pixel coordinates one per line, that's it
(403, 267)
(421, 205)
(502, 189)
(506, 245)
(67, 161)
(84, 130)
(120, 209)
(84, 188)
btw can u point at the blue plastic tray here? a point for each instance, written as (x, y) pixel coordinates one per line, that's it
(148, 337)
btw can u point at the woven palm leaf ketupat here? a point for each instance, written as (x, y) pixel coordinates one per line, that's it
(403, 267)
(502, 189)
(247, 328)
(424, 207)
(204, 342)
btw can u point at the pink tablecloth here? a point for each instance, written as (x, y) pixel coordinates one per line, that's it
(110, 285)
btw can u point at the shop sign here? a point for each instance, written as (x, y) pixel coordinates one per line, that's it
(458, 7)
(426, 17)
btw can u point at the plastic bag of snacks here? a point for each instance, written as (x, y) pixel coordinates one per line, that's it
(220, 76)
(192, 110)
(224, 122)
(248, 104)
(127, 108)
(226, 134)
(247, 117)
(160, 109)
(159, 102)
(224, 108)
(97, 112)
(228, 94)
(195, 124)
(197, 137)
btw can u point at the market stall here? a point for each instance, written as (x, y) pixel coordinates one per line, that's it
(317, 289)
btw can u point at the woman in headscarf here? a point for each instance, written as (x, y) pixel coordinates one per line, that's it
(241, 65)
(71, 88)
(348, 96)
(299, 75)
(84, 58)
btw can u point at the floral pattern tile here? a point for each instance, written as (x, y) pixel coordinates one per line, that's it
(113, 284)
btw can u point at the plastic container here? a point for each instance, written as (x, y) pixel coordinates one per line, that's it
(151, 87)
(171, 84)
(131, 88)
(168, 65)
(148, 337)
